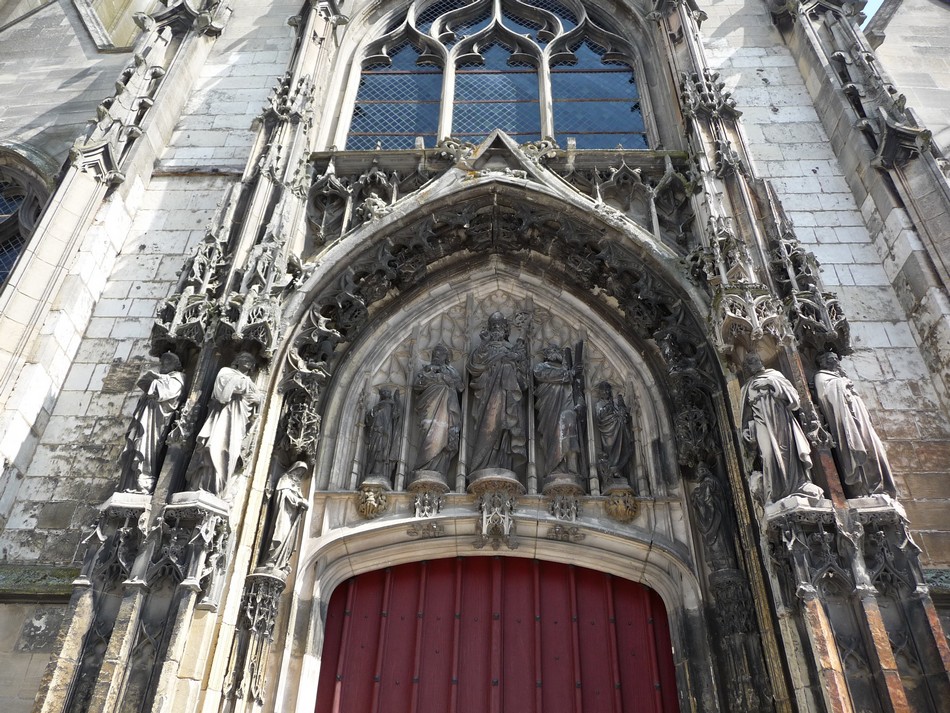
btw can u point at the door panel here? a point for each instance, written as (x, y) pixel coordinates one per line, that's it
(495, 635)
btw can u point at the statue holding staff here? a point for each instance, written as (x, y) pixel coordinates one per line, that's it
(498, 369)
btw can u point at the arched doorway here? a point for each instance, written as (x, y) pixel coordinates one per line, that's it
(495, 635)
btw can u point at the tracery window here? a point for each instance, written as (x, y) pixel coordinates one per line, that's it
(21, 201)
(532, 68)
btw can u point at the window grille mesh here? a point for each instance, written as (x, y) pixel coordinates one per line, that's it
(595, 101)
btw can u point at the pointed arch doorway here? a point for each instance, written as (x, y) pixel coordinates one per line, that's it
(495, 635)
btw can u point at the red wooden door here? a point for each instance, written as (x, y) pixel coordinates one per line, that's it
(495, 635)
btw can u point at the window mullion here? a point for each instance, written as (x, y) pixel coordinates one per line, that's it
(545, 97)
(448, 97)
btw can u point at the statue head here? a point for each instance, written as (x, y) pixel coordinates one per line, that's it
(605, 390)
(553, 353)
(440, 354)
(298, 470)
(498, 325)
(169, 362)
(829, 361)
(244, 362)
(752, 364)
(385, 394)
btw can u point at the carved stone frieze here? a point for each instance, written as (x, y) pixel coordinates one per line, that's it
(565, 533)
(425, 530)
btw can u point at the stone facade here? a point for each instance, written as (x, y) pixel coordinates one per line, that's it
(792, 204)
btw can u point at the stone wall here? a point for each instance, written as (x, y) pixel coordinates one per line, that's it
(52, 76)
(791, 147)
(136, 247)
(915, 52)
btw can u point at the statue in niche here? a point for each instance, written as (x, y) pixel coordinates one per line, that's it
(437, 387)
(286, 508)
(382, 438)
(861, 456)
(498, 368)
(709, 504)
(770, 402)
(615, 447)
(559, 401)
(222, 435)
(146, 435)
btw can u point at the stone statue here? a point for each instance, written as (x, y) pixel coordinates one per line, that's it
(222, 435)
(559, 427)
(769, 405)
(146, 435)
(382, 437)
(615, 447)
(286, 508)
(437, 388)
(861, 456)
(709, 504)
(498, 369)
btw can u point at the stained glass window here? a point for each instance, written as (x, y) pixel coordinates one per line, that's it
(21, 200)
(461, 68)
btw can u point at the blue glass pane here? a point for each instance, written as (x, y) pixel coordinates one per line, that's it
(425, 18)
(395, 118)
(593, 85)
(521, 25)
(381, 87)
(495, 86)
(465, 28)
(9, 252)
(568, 18)
(10, 199)
(403, 58)
(483, 117)
(599, 116)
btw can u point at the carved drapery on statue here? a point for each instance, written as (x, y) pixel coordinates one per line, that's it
(150, 420)
(769, 405)
(860, 454)
(437, 386)
(559, 403)
(382, 439)
(615, 438)
(498, 370)
(219, 442)
(287, 506)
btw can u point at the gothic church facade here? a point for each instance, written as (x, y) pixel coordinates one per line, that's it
(473, 355)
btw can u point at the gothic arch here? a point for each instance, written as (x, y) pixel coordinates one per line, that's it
(374, 21)
(341, 555)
